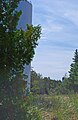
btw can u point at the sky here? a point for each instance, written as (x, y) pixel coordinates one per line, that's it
(59, 39)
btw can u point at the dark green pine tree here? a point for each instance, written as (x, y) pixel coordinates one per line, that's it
(73, 74)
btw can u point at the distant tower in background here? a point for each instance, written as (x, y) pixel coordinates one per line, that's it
(26, 18)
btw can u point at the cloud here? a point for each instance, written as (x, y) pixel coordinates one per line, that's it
(52, 28)
(72, 16)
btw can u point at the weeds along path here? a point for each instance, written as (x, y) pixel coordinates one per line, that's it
(58, 107)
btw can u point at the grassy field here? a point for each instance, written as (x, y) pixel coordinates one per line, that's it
(57, 107)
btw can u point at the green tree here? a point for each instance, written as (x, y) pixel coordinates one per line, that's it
(36, 83)
(73, 74)
(65, 84)
(16, 49)
(16, 46)
(47, 85)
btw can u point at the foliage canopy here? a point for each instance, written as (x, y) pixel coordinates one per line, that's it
(16, 46)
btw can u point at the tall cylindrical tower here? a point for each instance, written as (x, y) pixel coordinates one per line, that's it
(26, 18)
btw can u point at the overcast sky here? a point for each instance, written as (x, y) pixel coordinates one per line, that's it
(59, 21)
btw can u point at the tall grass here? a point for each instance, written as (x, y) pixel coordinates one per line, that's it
(57, 107)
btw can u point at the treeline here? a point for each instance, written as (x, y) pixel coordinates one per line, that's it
(68, 84)
(40, 85)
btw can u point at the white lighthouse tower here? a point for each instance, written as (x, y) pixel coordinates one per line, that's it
(26, 18)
